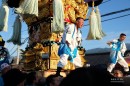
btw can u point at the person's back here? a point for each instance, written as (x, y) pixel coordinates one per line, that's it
(53, 80)
(90, 76)
(31, 79)
(14, 77)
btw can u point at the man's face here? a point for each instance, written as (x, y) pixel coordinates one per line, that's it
(122, 38)
(118, 73)
(80, 23)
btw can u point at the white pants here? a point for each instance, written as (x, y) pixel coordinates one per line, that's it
(121, 61)
(64, 60)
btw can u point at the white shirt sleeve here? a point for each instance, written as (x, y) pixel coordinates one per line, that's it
(79, 37)
(123, 48)
(69, 32)
(113, 41)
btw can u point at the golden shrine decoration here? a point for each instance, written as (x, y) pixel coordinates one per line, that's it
(34, 58)
(72, 10)
(40, 31)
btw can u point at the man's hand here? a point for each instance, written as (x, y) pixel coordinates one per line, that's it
(109, 43)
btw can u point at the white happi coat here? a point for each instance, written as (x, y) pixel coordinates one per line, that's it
(72, 36)
(73, 43)
(117, 50)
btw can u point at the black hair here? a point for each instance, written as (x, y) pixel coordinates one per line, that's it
(30, 78)
(13, 77)
(78, 18)
(88, 77)
(122, 34)
(50, 79)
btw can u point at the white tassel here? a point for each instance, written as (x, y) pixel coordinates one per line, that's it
(16, 37)
(93, 31)
(99, 22)
(28, 7)
(58, 16)
(4, 14)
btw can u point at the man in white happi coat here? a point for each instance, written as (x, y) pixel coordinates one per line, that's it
(118, 49)
(71, 39)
